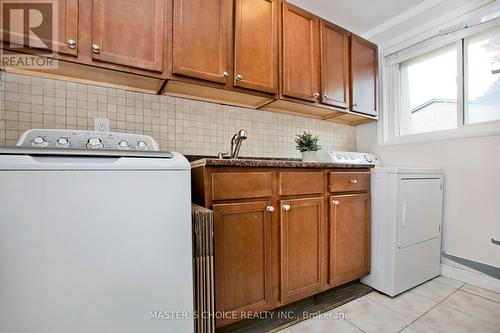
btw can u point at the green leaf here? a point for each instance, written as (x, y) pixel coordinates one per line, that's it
(307, 142)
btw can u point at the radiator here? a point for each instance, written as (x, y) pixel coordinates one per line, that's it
(203, 262)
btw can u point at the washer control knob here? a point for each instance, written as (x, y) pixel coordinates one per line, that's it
(39, 142)
(142, 145)
(94, 143)
(62, 143)
(123, 145)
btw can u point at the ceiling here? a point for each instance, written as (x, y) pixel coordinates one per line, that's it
(358, 16)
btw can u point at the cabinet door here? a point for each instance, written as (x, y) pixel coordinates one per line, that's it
(68, 27)
(349, 237)
(335, 65)
(200, 39)
(129, 33)
(363, 76)
(255, 45)
(300, 54)
(243, 266)
(302, 244)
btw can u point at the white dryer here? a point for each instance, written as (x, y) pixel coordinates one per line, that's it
(406, 228)
(95, 235)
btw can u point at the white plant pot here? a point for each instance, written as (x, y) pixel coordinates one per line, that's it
(309, 156)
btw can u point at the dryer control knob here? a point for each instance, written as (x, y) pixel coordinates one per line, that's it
(142, 145)
(39, 142)
(62, 143)
(123, 145)
(95, 143)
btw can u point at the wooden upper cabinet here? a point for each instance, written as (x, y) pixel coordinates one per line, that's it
(364, 65)
(68, 27)
(300, 59)
(302, 247)
(256, 45)
(349, 237)
(243, 260)
(129, 33)
(199, 40)
(334, 65)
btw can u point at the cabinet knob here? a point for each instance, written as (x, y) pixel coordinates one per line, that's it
(353, 181)
(335, 202)
(355, 104)
(325, 96)
(71, 43)
(96, 48)
(316, 95)
(225, 74)
(239, 77)
(270, 208)
(286, 208)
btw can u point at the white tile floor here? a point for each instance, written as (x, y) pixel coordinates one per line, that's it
(440, 305)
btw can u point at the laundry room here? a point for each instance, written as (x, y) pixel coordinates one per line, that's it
(249, 166)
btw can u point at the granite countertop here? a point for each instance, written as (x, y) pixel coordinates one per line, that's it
(271, 163)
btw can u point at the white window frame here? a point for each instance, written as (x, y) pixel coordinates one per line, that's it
(390, 118)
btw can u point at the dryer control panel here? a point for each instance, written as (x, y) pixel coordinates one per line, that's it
(349, 157)
(92, 140)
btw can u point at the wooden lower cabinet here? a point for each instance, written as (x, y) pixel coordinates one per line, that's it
(283, 234)
(349, 237)
(301, 247)
(243, 257)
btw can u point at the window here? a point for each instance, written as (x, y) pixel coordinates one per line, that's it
(450, 84)
(483, 77)
(429, 91)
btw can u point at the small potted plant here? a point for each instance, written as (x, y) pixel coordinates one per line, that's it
(308, 145)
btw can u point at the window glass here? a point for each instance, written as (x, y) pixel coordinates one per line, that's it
(428, 86)
(483, 77)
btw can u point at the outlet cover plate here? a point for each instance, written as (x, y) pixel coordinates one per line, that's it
(101, 124)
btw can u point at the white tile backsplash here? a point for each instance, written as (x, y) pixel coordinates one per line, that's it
(178, 124)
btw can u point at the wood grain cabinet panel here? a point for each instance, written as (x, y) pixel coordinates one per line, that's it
(334, 65)
(300, 54)
(243, 263)
(364, 65)
(349, 237)
(294, 183)
(241, 185)
(129, 33)
(68, 27)
(199, 40)
(255, 45)
(302, 247)
(349, 181)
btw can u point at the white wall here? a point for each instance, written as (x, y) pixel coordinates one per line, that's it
(472, 187)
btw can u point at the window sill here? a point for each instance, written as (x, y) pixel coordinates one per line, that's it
(468, 131)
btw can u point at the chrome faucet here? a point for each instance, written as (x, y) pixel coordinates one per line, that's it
(235, 144)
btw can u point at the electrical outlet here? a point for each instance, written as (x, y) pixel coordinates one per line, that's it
(101, 124)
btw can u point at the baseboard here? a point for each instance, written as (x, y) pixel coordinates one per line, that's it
(471, 277)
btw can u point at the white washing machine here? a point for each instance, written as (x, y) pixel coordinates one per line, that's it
(406, 219)
(94, 240)
(406, 224)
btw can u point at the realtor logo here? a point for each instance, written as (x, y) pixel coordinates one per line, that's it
(28, 31)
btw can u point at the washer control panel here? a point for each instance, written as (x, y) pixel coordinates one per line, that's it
(73, 139)
(350, 158)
